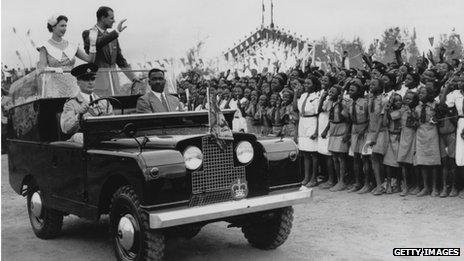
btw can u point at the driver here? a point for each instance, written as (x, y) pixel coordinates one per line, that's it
(78, 106)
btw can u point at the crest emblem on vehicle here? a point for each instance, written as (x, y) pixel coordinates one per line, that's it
(239, 189)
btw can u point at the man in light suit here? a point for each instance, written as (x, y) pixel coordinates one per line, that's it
(78, 106)
(108, 50)
(156, 100)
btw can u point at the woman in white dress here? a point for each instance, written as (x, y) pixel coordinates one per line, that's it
(58, 55)
(307, 129)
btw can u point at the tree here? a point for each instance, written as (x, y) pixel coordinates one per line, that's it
(391, 39)
(388, 44)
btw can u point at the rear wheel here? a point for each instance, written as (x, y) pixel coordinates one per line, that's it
(46, 222)
(270, 229)
(130, 231)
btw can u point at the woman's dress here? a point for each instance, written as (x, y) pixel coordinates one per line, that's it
(307, 106)
(64, 57)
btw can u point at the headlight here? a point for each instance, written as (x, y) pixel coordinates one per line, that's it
(244, 152)
(193, 157)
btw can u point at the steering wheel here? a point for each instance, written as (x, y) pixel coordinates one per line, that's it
(107, 105)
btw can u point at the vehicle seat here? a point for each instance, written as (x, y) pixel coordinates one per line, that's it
(126, 111)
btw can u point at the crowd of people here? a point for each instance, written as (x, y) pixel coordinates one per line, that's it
(385, 128)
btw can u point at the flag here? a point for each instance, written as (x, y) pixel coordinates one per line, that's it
(20, 58)
(459, 38)
(255, 61)
(300, 46)
(218, 126)
(431, 40)
(159, 63)
(33, 44)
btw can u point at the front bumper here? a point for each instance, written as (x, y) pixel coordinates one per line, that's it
(188, 215)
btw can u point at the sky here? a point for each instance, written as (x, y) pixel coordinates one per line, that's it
(163, 29)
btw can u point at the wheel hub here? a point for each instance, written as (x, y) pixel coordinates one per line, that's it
(36, 204)
(126, 232)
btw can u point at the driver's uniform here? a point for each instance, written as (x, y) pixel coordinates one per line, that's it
(69, 120)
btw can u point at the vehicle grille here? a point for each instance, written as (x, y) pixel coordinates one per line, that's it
(212, 184)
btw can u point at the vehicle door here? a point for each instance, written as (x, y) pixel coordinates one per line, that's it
(66, 177)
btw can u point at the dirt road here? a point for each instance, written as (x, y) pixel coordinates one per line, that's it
(334, 226)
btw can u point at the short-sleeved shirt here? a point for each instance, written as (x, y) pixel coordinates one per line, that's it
(309, 103)
(429, 111)
(361, 110)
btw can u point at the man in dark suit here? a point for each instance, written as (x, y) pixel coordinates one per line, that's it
(157, 100)
(108, 50)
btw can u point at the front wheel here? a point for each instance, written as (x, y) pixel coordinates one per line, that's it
(268, 230)
(46, 222)
(130, 231)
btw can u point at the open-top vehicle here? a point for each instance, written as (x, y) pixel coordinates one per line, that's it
(157, 175)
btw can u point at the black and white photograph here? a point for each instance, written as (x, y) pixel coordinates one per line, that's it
(232, 130)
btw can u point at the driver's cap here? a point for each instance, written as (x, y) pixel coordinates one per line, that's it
(85, 72)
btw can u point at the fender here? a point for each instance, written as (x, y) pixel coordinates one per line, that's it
(162, 164)
(283, 163)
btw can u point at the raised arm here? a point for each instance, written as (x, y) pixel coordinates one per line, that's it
(398, 57)
(90, 58)
(101, 41)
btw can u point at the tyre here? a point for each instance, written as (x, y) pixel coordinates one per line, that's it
(46, 222)
(269, 230)
(129, 229)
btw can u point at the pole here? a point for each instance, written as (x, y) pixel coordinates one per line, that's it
(262, 14)
(272, 15)
(209, 108)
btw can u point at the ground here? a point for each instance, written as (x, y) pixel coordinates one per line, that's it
(333, 226)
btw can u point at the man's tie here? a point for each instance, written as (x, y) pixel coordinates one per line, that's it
(355, 117)
(95, 106)
(164, 102)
